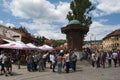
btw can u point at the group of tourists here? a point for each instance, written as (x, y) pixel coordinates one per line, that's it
(57, 60)
(105, 58)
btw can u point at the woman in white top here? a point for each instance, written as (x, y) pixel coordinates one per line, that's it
(93, 59)
(114, 56)
(52, 60)
(67, 61)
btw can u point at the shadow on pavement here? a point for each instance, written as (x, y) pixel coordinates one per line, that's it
(16, 74)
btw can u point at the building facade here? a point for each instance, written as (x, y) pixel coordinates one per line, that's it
(16, 35)
(112, 40)
(9, 33)
(94, 44)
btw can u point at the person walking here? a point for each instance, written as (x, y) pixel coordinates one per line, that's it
(40, 62)
(35, 58)
(109, 58)
(59, 63)
(115, 56)
(2, 58)
(98, 59)
(0, 63)
(103, 58)
(67, 61)
(53, 62)
(45, 55)
(73, 60)
(8, 66)
(93, 59)
(30, 61)
(118, 57)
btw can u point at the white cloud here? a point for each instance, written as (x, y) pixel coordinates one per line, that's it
(44, 29)
(43, 13)
(41, 10)
(98, 30)
(9, 25)
(106, 7)
(103, 20)
(1, 22)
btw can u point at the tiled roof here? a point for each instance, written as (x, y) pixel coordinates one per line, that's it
(114, 33)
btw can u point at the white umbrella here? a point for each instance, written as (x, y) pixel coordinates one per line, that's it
(46, 47)
(14, 45)
(32, 46)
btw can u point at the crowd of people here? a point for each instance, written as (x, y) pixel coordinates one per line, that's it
(59, 60)
(105, 58)
(63, 60)
(56, 60)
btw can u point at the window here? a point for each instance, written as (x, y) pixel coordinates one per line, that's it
(16, 36)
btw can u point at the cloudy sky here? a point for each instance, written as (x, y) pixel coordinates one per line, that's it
(46, 17)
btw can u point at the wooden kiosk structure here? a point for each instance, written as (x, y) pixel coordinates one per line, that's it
(75, 34)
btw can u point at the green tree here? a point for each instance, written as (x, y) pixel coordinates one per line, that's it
(41, 40)
(21, 29)
(80, 10)
(58, 42)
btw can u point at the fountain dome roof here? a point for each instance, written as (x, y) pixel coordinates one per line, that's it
(74, 22)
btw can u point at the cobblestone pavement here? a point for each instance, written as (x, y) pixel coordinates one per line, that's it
(83, 73)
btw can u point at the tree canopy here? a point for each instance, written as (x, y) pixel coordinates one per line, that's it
(80, 10)
(41, 40)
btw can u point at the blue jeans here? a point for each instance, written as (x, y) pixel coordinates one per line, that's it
(59, 67)
(2, 67)
(67, 67)
(30, 67)
(73, 65)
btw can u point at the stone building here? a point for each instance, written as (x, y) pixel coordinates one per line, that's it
(15, 35)
(8, 33)
(94, 44)
(112, 40)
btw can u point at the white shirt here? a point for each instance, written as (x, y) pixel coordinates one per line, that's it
(93, 57)
(44, 56)
(52, 58)
(67, 58)
(114, 54)
(3, 57)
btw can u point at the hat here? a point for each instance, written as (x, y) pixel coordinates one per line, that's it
(61, 51)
